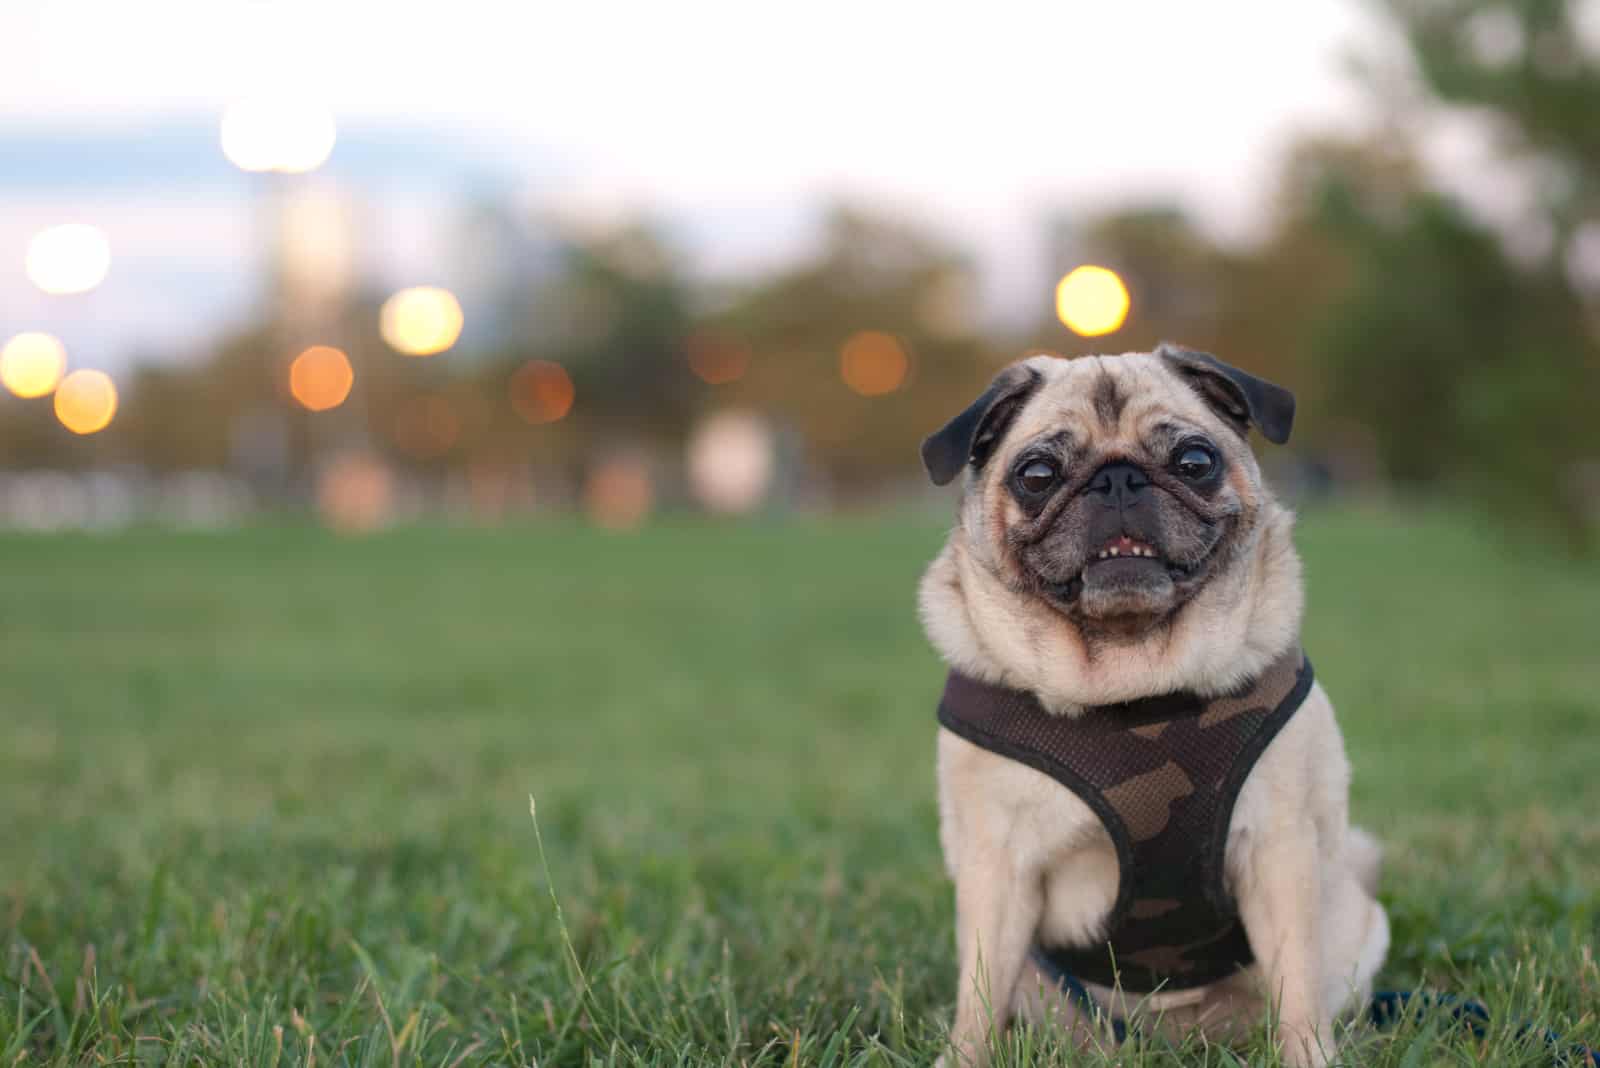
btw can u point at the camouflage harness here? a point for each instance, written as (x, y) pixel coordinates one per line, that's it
(1162, 773)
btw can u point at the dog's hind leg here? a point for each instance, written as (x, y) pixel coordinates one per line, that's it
(1364, 853)
(1043, 1003)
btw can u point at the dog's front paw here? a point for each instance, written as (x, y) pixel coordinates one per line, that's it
(964, 1053)
(1307, 1048)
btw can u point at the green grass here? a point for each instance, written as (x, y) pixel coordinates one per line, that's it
(266, 794)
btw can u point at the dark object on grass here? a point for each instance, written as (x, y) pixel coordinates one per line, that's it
(1390, 1006)
(1388, 1009)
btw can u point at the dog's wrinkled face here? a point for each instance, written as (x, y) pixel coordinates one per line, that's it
(1115, 489)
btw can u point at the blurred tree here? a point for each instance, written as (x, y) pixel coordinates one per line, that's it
(30, 436)
(1469, 368)
(616, 312)
(1174, 267)
(1246, 305)
(1527, 66)
(1172, 271)
(875, 276)
(1277, 296)
(1466, 369)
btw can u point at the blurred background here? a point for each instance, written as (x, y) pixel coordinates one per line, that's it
(379, 263)
(410, 407)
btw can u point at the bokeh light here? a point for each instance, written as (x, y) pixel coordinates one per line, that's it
(873, 363)
(356, 493)
(86, 401)
(72, 258)
(731, 460)
(31, 364)
(320, 378)
(421, 321)
(619, 494)
(1092, 301)
(282, 134)
(542, 392)
(717, 361)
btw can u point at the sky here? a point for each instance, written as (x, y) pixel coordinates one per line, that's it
(732, 120)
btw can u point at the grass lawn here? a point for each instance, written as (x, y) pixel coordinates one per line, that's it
(264, 797)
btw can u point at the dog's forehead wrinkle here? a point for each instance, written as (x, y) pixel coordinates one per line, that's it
(1053, 415)
(1108, 398)
(1114, 403)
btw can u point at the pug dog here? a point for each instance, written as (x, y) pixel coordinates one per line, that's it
(1133, 752)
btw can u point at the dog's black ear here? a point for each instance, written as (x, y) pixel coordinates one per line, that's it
(971, 436)
(1242, 399)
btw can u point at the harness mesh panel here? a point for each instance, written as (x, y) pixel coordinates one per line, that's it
(1162, 773)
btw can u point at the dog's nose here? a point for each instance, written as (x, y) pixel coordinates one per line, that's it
(1118, 483)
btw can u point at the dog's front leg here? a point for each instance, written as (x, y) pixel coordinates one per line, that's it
(998, 901)
(1280, 908)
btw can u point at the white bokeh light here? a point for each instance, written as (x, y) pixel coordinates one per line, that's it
(73, 258)
(283, 134)
(421, 320)
(732, 457)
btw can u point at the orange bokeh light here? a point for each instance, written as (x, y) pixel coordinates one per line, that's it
(542, 392)
(717, 361)
(873, 363)
(356, 493)
(86, 401)
(619, 494)
(320, 378)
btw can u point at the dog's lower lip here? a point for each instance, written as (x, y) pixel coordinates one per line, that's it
(1070, 589)
(1153, 560)
(1174, 569)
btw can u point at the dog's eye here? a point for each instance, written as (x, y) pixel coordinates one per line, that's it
(1194, 462)
(1036, 476)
